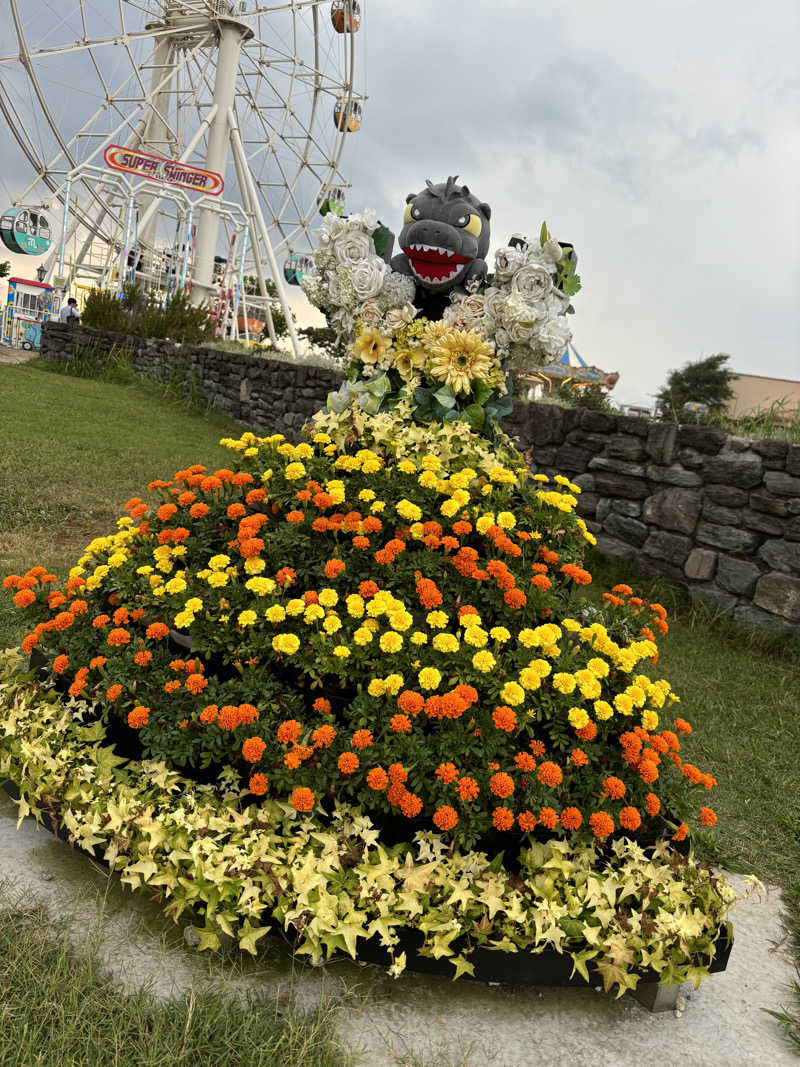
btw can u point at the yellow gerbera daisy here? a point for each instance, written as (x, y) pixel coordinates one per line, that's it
(371, 346)
(460, 357)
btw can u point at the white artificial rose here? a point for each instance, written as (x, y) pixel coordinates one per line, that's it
(518, 334)
(370, 314)
(501, 338)
(553, 337)
(475, 304)
(507, 261)
(368, 276)
(351, 248)
(533, 282)
(402, 316)
(551, 252)
(517, 309)
(459, 317)
(556, 303)
(494, 301)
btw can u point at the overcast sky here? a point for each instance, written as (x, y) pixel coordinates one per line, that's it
(661, 139)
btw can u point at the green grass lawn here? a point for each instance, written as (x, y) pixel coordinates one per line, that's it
(73, 450)
(58, 1008)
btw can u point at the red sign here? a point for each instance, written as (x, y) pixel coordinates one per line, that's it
(132, 161)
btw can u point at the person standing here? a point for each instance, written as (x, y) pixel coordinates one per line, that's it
(70, 313)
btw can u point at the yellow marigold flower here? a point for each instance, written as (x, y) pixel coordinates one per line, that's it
(377, 687)
(158, 590)
(219, 563)
(656, 696)
(637, 695)
(502, 476)
(431, 462)
(437, 620)
(193, 604)
(260, 586)
(512, 694)
(377, 506)
(500, 634)
(506, 520)
(598, 667)
(472, 618)
(246, 618)
(527, 638)
(429, 678)
(184, 619)
(400, 620)
(405, 466)
(571, 624)
(484, 522)
(418, 638)
(486, 490)
(577, 718)
(393, 683)
(446, 643)
(154, 579)
(529, 679)
(476, 636)
(627, 660)
(460, 497)
(591, 689)
(391, 642)
(341, 651)
(417, 531)
(623, 704)
(287, 643)
(362, 636)
(355, 606)
(275, 614)
(296, 606)
(366, 495)
(483, 661)
(176, 585)
(408, 511)
(540, 478)
(321, 439)
(332, 624)
(336, 490)
(603, 709)
(328, 598)
(541, 666)
(294, 471)
(117, 559)
(427, 479)
(649, 720)
(449, 508)
(563, 682)
(303, 451)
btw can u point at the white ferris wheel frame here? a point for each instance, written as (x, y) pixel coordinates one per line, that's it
(187, 28)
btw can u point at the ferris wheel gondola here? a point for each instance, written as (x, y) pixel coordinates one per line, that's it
(25, 230)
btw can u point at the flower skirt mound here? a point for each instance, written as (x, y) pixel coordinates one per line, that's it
(371, 704)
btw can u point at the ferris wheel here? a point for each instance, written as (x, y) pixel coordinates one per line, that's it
(260, 94)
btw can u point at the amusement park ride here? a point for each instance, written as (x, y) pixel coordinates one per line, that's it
(128, 117)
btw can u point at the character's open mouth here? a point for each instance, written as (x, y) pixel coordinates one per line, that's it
(431, 263)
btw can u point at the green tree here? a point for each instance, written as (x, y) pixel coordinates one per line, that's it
(706, 381)
(325, 340)
(5, 269)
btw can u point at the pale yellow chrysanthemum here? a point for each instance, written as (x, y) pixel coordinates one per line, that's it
(459, 358)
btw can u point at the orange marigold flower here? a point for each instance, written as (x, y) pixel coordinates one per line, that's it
(79, 607)
(445, 817)
(138, 716)
(198, 510)
(60, 664)
(323, 736)
(446, 772)
(708, 817)
(362, 739)
(541, 581)
(171, 687)
(537, 747)
(322, 705)
(157, 631)
(501, 784)
(24, 598)
(295, 516)
(64, 620)
(549, 773)
(141, 659)
(302, 799)
(428, 593)
(411, 805)
(122, 617)
(410, 702)
(333, 568)
(515, 598)
(461, 528)
(502, 819)
(614, 787)
(587, 732)
(622, 590)
(682, 726)
(253, 749)
(209, 713)
(196, 683)
(602, 824)
(547, 555)
(648, 771)
(504, 718)
(118, 637)
(467, 788)
(113, 692)
(526, 821)
(548, 817)
(248, 713)
(652, 804)
(397, 773)
(396, 792)
(228, 717)
(681, 832)
(467, 693)
(578, 757)
(289, 731)
(400, 724)
(258, 784)
(571, 818)
(347, 762)
(377, 779)
(255, 496)
(55, 600)
(525, 761)
(539, 568)
(630, 818)
(367, 589)
(285, 576)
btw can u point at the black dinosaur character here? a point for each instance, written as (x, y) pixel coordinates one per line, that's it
(444, 240)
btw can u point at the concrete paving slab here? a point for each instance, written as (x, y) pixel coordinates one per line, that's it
(417, 1020)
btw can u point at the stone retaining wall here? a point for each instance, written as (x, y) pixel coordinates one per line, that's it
(696, 504)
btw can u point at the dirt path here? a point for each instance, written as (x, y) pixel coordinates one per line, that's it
(16, 355)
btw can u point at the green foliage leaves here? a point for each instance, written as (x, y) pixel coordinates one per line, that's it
(706, 381)
(136, 312)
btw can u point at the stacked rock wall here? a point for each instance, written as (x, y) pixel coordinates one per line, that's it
(716, 512)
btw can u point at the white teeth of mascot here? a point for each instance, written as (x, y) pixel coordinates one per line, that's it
(432, 248)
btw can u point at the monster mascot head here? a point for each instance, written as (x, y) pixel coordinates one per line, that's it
(444, 240)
